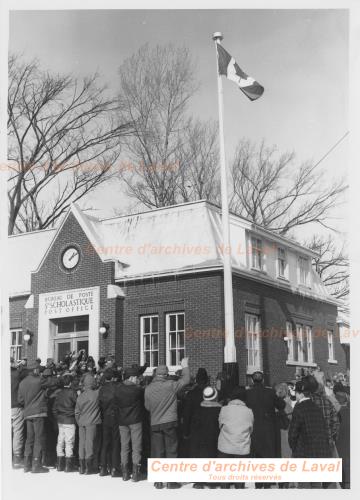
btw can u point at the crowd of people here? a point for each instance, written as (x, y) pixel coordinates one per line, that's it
(79, 417)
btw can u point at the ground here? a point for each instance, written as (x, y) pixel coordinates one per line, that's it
(57, 485)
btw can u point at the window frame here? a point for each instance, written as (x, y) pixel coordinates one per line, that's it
(302, 258)
(278, 259)
(171, 366)
(257, 253)
(331, 352)
(290, 341)
(14, 348)
(142, 344)
(250, 368)
(300, 345)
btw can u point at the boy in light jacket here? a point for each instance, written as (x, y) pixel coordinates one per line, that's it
(88, 418)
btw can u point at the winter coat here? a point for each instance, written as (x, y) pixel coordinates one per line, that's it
(87, 408)
(64, 406)
(161, 398)
(191, 403)
(31, 397)
(283, 448)
(343, 442)
(330, 415)
(204, 430)
(307, 432)
(263, 401)
(129, 403)
(16, 377)
(236, 424)
(106, 402)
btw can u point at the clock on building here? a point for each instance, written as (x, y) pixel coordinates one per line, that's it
(70, 258)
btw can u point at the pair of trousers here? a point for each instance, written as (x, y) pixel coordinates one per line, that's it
(164, 442)
(17, 423)
(131, 434)
(65, 440)
(35, 437)
(221, 454)
(88, 441)
(110, 448)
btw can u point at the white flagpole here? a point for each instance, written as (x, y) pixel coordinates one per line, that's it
(229, 349)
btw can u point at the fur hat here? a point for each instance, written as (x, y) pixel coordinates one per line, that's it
(257, 376)
(202, 376)
(238, 393)
(210, 394)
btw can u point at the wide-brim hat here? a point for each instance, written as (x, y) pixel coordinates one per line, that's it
(209, 394)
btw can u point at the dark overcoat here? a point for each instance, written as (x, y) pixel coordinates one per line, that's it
(204, 430)
(263, 401)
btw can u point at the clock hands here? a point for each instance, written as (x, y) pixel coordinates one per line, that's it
(72, 256)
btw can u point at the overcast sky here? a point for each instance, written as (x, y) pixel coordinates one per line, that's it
(299, 56)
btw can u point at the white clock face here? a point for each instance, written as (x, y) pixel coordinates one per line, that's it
(70, 258)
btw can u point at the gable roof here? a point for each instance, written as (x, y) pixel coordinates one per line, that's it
(26, 251)
(168, 240)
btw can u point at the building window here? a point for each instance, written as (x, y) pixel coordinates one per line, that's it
(281, 262)
(303, 345)
(16, 344)
(175, 335)
(330, 336)
(252, 323)
(149, 328)
(256, 253)
(309, 344)
(290, 341)
(303, 271)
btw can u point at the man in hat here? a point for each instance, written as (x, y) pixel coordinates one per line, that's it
(307, 431)
(110, 449)
(161, 402)
(129, 408)
(31, 397)
(263, 401)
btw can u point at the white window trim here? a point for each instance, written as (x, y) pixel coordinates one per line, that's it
(300, 340)
(284, 276)
(310, 345)
(290, 340)
(15, 346)
(332, 359)
(262, 267)
(250, 369)
(307, 283)
(149, 369)
(172, 368)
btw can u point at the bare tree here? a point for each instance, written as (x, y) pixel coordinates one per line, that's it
(332, 265)
(272, 192)
(168, 151)
(63, 141)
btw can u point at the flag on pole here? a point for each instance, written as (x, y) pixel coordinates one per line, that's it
(230, 68)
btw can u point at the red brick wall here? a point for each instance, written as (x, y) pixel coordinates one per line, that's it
(200, 296)
(275, 307)
(201, 300)
(91, 271)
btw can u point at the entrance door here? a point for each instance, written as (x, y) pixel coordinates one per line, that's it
(71, 334)
(66, 346)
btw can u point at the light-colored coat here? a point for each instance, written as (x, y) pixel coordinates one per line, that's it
(236, 422)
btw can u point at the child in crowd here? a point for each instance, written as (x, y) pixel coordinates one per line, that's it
(64, 412)
(88, 418)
